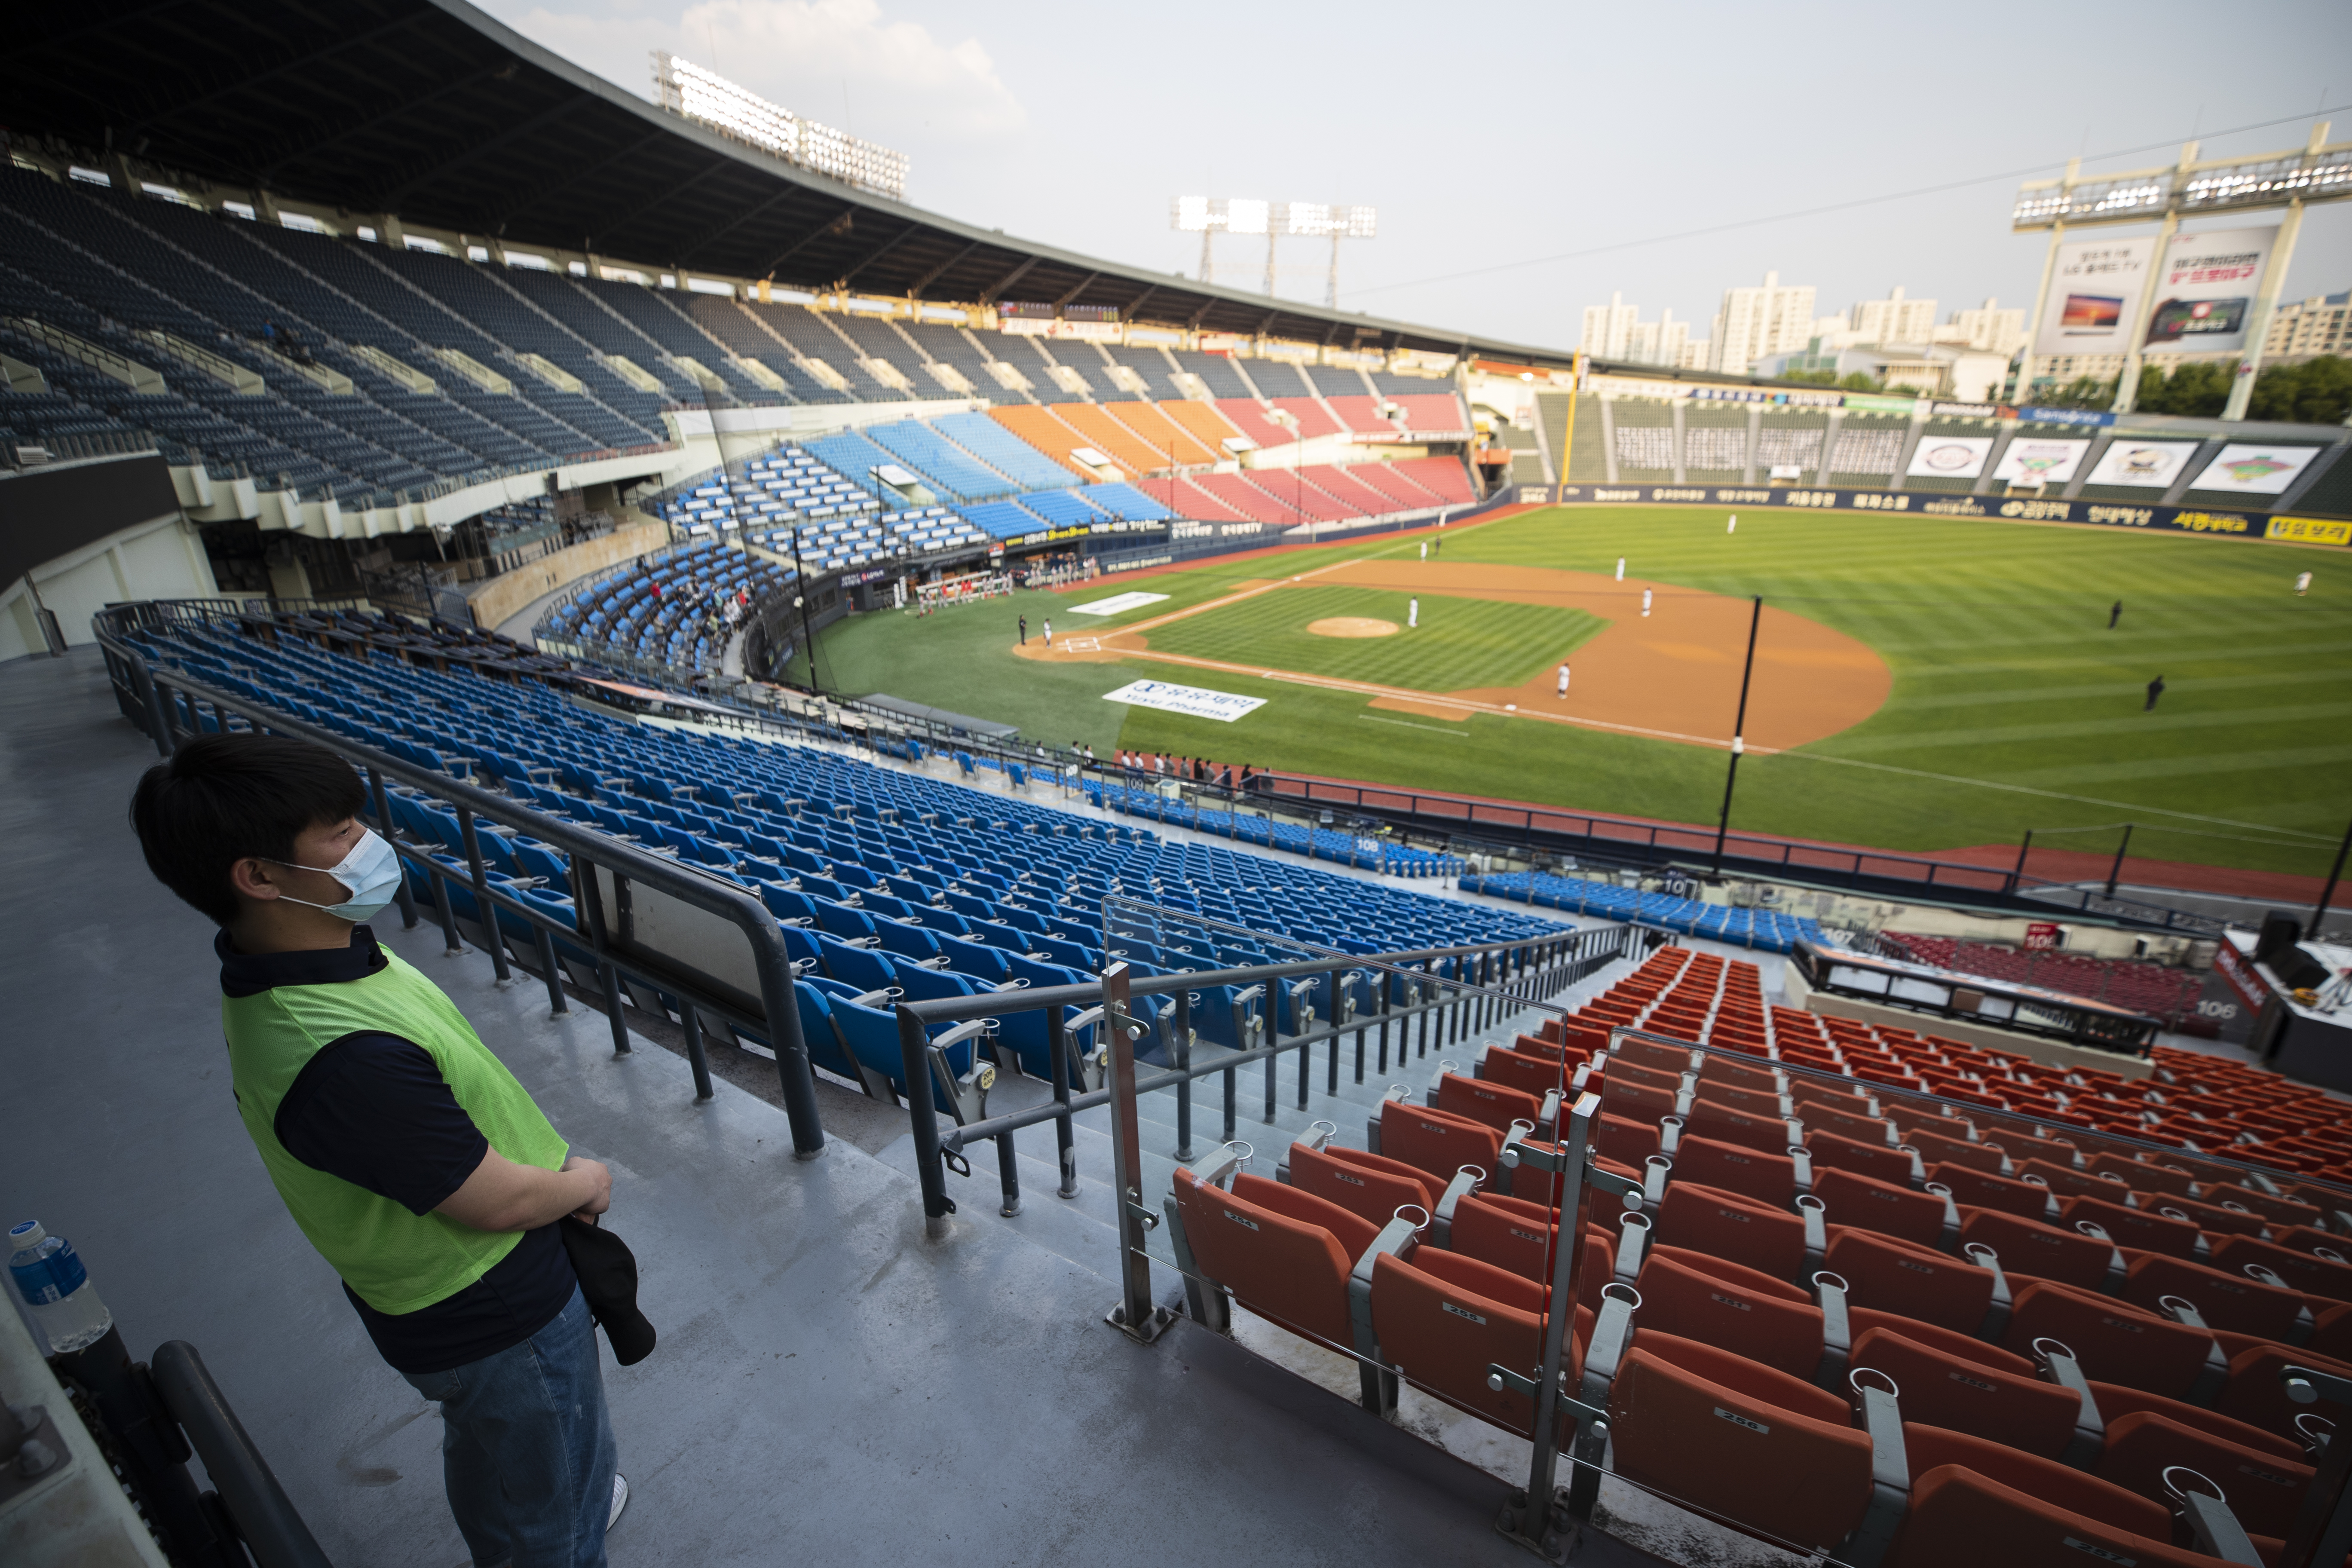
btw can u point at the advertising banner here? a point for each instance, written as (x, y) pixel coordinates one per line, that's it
(2094, 295)
(2205, 289)
(1950, 456)
(2310, 531)
(2015, 509)
(2255, 467)
(2151, 464)
(1222, 706)
(2039, 460)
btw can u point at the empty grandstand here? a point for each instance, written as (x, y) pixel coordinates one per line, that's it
(985, 1117)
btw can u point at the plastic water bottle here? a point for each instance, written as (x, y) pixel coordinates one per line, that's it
(56, 1289)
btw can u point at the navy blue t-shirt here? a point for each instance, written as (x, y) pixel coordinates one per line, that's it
(373, 1109)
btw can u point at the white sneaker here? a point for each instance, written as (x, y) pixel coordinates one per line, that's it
(620, 1498)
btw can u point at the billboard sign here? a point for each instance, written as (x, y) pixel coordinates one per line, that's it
(2094, 295)
(2205, 289)
(1949, 456)
(2035, 460)
(2151, 465)
(2256, 467)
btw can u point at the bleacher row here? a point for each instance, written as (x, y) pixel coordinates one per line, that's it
(1764, 931)
(884, 882)
(970, 460)
(1205, 815)
(2197, 1104)
(589, 366)
(2148, 988)
(1832, 1315)
(658, 613)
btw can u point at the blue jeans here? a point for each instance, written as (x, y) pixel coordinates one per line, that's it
(527, 1448)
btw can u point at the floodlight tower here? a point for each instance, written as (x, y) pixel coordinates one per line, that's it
(1208, 216)
(1321, 220)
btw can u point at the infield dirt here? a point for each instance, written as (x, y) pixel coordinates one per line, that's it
(1673, 674)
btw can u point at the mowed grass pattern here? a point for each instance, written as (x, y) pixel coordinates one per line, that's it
(2013, 706)
(1460, 643)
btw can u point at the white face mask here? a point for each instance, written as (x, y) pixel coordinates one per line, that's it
(370, 873)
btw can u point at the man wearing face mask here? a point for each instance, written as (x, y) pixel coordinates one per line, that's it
(404, 1149)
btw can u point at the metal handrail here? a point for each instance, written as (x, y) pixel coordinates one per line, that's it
(150, 692)
(1501, 985)
(265, 1517)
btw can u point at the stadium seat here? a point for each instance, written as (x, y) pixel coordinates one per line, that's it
(1741, 1310)
(1741, 1441)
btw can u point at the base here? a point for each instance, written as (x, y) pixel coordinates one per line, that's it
(1147, 1332)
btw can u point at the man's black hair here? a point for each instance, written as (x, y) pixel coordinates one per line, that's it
(222, 799)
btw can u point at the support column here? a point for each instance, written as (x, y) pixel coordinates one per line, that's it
(2127, 382)
(2024, 390)
(2258, 320)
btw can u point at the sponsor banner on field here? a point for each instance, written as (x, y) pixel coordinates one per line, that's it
(2309, 531)
(1118, 604)
(2205, 289)
(2013, 508)
(2094, 295)
(2037, 460)
(2151, 465)
(2256, 467)
(1950, 456)
(1222, 706)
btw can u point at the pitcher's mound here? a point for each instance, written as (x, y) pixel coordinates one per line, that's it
(1352, 627)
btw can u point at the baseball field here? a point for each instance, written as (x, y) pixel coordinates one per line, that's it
(1924, 685)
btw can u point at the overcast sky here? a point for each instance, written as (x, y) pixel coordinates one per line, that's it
(1521, 133)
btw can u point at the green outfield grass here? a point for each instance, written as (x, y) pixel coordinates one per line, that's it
(2013, 706)
(1460, 644)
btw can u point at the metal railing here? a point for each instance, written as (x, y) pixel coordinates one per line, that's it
(1505, 975)
(170, 706)
(1632, 841)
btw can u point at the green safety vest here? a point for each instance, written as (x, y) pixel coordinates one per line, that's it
(394, 1260)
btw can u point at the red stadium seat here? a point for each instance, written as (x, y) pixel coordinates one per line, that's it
(1882, 1160)
(1720, 1124)
(1437, 1141)
(1883, 1205)
(1769, 1178)
(2040, 1251)
(1732, 1442)
(2263, 1489)
(2137, 1228)
(1982, 1189)
(1742, 1311)
(2113, 1343)
(2302, 1271)
(1288, 1264)
(1370, 1186)
(1442, 1320)
(1529, 1074)
(1941, 1148)
(1962, 1394)
(2225, 1301)
(1727, 1225)
(1918, 1282)
(1495, 1104)
(1961, 1517)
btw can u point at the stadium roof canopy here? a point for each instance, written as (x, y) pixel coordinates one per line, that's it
(433, 111)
